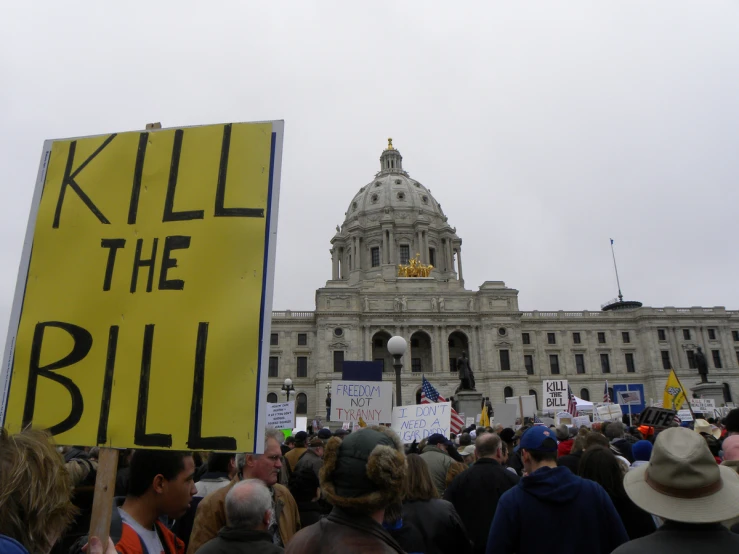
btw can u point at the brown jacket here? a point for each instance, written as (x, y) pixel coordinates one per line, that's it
(294, 455)
(343, 532)
(211, 516)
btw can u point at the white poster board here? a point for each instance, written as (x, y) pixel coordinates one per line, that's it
(529, 405)
(581, 420)
(418, 421)
(370, 400)
(555, 395)
(685, 415)
(469, 421)
(703, 405)
(301, 423)
(608, 412)
(505, 414)
(280, 415)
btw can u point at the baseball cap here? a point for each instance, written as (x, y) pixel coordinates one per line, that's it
(438, 438)
(467, 450)
(324, 433)
(539, 439)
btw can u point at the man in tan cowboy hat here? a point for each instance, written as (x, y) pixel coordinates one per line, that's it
(683, 485)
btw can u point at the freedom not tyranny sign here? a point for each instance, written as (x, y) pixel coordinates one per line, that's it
(145, 290)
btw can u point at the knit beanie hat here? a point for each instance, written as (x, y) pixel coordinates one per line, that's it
(641, 450)
(366, 471)
(731, 447)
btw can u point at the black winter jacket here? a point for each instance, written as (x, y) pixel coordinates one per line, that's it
(440, 526)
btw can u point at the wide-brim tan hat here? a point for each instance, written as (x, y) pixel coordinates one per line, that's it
(683, 482)
(702, 426)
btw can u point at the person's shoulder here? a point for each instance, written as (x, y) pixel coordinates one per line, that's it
(637, 546)
(216, 496)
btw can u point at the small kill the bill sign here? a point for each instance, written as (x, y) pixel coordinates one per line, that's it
(145, 290)
(555, 395)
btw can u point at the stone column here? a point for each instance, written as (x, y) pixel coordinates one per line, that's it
(334, 263)
(459, 263)
(391, 253)
(444, 350)
(383, 252)
(359, 252)
(450, 256)
(425, 246)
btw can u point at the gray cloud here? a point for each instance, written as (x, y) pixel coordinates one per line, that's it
(543, 129)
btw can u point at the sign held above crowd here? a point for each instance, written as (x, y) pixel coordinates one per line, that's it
(138, 322)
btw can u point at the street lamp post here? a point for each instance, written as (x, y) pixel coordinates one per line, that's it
(288, 388)
(396, 346)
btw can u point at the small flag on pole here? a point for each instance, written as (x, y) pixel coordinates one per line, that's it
(429, 395)
(571, 403)
(606, 394)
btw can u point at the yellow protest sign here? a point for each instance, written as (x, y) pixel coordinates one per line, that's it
(145, 290)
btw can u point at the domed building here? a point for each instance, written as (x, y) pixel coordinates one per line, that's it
(394, 221)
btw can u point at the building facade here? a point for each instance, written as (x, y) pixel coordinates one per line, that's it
(394, 218)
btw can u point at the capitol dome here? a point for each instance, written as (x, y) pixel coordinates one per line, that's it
(391, 219)
(393, 188)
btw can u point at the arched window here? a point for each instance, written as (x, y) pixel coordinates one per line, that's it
(507, 392)
(301, 404)
(272, 397)
(532, 392)
(585, 394)
(418, 396)
(727, 393)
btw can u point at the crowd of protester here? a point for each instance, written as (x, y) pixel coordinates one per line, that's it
(611, 487)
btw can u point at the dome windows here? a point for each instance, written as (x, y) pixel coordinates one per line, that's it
(374, 198)
(354, 206)
(378, 184)
(425, 199)
(398, 181)
(401, 196)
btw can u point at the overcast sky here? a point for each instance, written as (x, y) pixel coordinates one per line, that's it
(543, 130)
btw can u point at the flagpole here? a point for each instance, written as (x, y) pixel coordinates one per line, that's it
(620, 296)
(685, 391)
(631, 423)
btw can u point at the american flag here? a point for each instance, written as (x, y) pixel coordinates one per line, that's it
(537, 421)
(429, 395)
(606, 394)
(571, 403)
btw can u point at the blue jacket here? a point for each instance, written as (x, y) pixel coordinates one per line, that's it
(9, 545)
(554, 511)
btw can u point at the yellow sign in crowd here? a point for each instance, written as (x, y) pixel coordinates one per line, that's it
(145, 290)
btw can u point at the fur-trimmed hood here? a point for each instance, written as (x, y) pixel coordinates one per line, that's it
(366, 471)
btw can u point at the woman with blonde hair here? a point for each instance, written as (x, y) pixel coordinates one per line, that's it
(437, 520)
(35, 493)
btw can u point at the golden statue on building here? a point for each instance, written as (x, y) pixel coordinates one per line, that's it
(415, 268)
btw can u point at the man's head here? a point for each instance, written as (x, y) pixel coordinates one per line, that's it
(538, 448)
(615, 430)
(562, 433)
(290, 442)
(165, 479)
(464, 440)
(498, 428)
(222, 462)
(488, 446)
(315, 445)
(364, 472)
(267, 466)
(324, 434)
(439, 441)
(35, 490)
(300, 438)
(595, 439)
(249, 505)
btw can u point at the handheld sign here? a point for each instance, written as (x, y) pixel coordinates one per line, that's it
(139, 320)
(657, 417)
(555, 395)
(416, 422)
(370, 400)
(281, 415)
